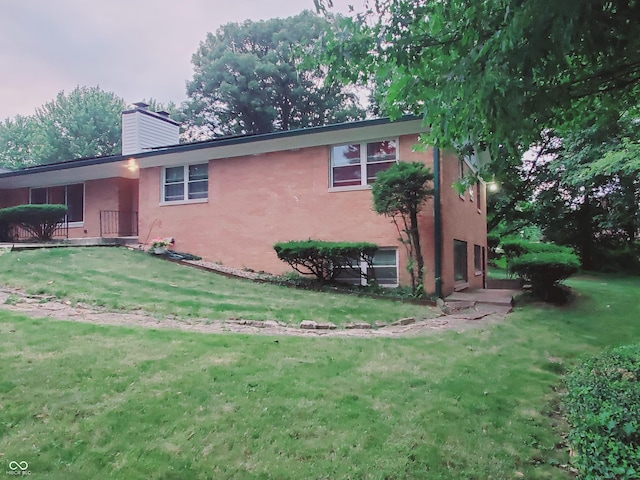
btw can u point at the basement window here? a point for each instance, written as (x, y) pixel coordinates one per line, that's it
(186, 183)
(384, 272)
(357, 165)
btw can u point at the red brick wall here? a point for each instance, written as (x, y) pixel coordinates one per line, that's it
(461, 220)
(257, 201)
(13, 197)
(116, 193)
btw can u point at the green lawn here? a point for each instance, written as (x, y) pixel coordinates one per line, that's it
(117, 278)
(85, 401)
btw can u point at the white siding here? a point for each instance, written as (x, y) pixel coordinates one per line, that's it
(144, 130)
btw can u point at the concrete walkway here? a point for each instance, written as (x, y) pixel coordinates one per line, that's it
(72, 242)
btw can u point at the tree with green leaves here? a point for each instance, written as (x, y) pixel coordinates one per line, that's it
(399, 193)
(18, 142)
(588, 194)
(513, 185)
(86, 122)
(581, 190)
(514, 75)
(496, 72)
(253, 78)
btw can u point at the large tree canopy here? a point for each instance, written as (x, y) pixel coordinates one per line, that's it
(496, 71)
(18, 142)
(559, 80)
(83, 123)
(251, 78)
(588, 195)
(581, 190)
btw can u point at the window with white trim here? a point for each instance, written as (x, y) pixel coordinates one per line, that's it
(384, 271)
(185, 183)
(70, 195)
(358, 164)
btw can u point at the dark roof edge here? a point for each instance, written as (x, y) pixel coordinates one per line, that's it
(185, 147)
(241, 139)
(152, 114)
(65, 165)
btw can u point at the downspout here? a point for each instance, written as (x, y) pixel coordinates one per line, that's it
(437, 222)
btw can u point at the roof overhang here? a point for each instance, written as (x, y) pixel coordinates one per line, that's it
(294, 140)
(61, 176)
(127, 166)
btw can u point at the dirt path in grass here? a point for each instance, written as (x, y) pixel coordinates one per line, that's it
(43, 306)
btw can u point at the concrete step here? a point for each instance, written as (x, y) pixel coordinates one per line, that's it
(502, 297)
(74, 242)
(504, 283)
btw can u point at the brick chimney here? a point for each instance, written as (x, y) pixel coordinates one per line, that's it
(143, 129)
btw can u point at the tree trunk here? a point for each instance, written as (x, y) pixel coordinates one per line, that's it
(415, 240)
(630, 192)
(585, 225)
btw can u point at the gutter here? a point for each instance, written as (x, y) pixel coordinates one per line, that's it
(437, 223)
(231, 141)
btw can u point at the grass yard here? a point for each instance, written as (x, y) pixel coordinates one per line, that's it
(117, 278)
(89, 402)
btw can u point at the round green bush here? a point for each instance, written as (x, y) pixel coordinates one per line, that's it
(545, 270)
(602, 406)
(40, 220)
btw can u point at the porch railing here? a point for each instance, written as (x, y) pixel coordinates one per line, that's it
(118, 223)
(20, 234)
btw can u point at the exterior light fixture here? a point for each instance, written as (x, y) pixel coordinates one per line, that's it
(493, 186)
(132, 165)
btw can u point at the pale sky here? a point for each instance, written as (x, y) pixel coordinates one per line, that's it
(134, 48)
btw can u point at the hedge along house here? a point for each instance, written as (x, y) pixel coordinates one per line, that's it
(230, 199)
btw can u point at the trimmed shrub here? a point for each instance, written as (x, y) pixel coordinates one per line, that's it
(603, 408)
(545, 270)
(514, 247)
(5, 225)
(5, 230)
(39, 220)
(324, 260)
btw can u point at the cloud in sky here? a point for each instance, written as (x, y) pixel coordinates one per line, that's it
(134, 48)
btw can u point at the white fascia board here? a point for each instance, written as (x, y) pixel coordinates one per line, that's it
(258, 147)
(69, 176)
(119, 168)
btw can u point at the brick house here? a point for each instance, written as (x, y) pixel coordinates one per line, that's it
(231, 199)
